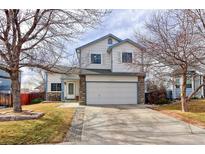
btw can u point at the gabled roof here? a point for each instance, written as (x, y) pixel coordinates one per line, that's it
(61, 69)
(191, 70)
(99, 39)
(124, 41)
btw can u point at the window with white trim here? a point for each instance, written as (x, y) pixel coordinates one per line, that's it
(177, 83)
(188, 83)
(96, 58)
(55, 86)
(126, 57)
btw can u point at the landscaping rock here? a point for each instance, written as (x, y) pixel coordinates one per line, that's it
(26, 115)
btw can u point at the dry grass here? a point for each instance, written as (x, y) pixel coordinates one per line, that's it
(11, 112)
(51, 128)
(196, 114)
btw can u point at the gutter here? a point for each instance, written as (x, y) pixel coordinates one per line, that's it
(4, 77)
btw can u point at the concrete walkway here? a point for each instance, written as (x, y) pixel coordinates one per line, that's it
(136, 125)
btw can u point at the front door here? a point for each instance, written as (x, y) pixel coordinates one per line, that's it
(71, 90)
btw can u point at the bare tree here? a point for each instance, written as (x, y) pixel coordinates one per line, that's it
(171, 40)
(36, 38)
(197, 17)
(41, 76)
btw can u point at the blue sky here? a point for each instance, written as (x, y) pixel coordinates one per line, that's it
(122, 23)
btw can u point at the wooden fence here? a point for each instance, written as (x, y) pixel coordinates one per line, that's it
(26, 98)
(5, 99)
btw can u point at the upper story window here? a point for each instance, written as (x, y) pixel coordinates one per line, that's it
(109, 41)
(55, 86)
(127, 57)
(188, 84)
(177, 83)
(96, 58)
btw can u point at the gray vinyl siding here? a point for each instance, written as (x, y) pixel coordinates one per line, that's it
(119, 66)
(96, 48)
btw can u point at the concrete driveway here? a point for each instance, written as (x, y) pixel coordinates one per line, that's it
(136, 125)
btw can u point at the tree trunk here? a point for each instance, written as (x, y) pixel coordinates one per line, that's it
(183, 94)
(15, 91)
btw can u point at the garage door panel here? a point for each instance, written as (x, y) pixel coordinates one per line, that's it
(111, 93)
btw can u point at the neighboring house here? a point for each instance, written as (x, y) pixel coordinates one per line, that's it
(111, 72)
(5, 82)
(194, 80)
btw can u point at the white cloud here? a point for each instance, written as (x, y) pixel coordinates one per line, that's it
(30, 79)
(121, 23)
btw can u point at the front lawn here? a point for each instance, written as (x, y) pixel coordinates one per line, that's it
(196, 114)
(51, 128)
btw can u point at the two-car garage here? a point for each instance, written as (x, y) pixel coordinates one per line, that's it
(111, 90)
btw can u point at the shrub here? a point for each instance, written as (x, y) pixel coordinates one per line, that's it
(36, 100)
(162, 101)
(157, 95)
(195, 97)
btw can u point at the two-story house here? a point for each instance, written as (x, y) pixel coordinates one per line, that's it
(110, 72)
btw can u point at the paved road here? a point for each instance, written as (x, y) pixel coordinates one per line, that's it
(136, 125)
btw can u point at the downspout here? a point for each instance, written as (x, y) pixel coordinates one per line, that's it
(111, 61)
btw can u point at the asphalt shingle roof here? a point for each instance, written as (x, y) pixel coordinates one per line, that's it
(99, 39)
(124, 41)
(107, 72)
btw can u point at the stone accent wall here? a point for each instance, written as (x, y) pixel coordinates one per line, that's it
(82, 89)
(53, 96)
(141, 90)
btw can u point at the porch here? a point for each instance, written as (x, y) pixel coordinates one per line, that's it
(70, 89)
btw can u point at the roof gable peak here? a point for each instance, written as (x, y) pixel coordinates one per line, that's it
(99, 39)
(124, 41)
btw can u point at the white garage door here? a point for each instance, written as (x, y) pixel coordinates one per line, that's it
(111, 93)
